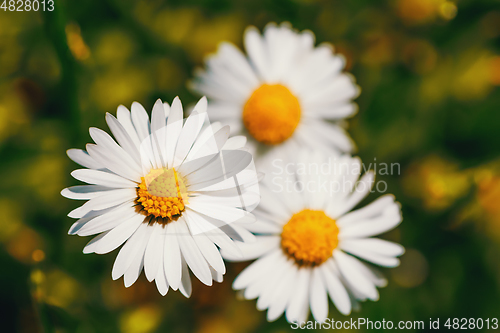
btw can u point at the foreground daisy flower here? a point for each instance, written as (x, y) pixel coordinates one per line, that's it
(283, 95)
(172, 191)
(309, 242)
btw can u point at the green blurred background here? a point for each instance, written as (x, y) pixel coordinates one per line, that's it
(429, 72)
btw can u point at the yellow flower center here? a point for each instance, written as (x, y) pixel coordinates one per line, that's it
(162, 195)
(271, 114)
(310, 237)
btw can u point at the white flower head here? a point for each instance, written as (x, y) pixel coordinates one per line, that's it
(311, 243)
(173, 191)
(284, 94)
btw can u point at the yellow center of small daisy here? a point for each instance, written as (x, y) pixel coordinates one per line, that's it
(162, 195)
(271, 114)
(310, 237)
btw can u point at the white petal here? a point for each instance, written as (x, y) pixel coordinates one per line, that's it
(244, 184)
(299, 301)
(328, 68)
(238, 233)
(222, 240)
(235, 125)
(185, 287)
(333, 112)
(206, 246)
(119, 234)
(355, 278)
(188, 135)
(140, 120)
(237, 197)
(374, 245)
(210, 252)
(333, 135)
(94, 243)
(237, 64)
(192, 254)
(160, 279)
(109, 199)
(284, 49)
(112, 156)
(107, 221)
(166, 106)
(257, 51)
(236, 142)
(289, 196)
(272, 204)
(135, 268)
(281, 269)
(83, 158)
(340, 89)
(254, 270)
(172, 256)
(219, 83)
(210, 142)
(222, 110)
(123, 137)
(197, 223)
(372, 273)
(318, 297)
(264, 226)
(315, 64)
(216, 276)
(84, 192)
(226, 164)
(174, 128)
(375, 258)
(78, 225)
(258, 286)
(307, 136)
(361, 190)
(219, 212)
(389, 219)
(336, 289)
(125, 119)
(102, 178)
(128, 252)
(78, 213)
(152, 255)
(260, 247)
(159, 133)
(282, 295)
(373, 209)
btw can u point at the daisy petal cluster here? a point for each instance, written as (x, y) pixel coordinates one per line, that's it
(312, 244)
(181, 195)
(284, 93)
(172, 192)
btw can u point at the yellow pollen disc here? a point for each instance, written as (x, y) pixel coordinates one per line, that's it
(271, 114)
(310, 237)
(162, 194)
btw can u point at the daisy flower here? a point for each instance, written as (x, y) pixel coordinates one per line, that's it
(311, 244)
(172, 192)
(284, 94)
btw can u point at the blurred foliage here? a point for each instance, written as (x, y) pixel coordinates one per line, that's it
(429, 72)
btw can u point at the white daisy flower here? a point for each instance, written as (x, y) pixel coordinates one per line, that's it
(174, 192)
(285, 94)
(311, 244)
